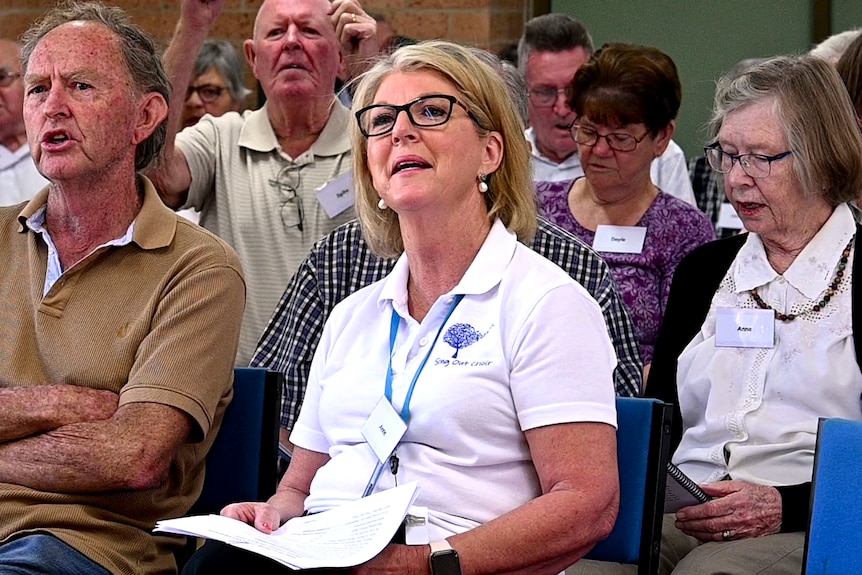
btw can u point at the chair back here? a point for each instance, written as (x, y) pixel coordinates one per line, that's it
(643, 442)
(832, 542)
(241, 465)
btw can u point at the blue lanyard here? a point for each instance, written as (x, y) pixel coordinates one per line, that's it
(393, 333)
(405, 409)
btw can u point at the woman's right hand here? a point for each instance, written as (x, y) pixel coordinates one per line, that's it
(262, 516)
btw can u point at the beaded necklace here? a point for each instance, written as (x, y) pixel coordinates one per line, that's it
(827, 295)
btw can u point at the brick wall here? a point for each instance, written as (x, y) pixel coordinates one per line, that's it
(489, 24)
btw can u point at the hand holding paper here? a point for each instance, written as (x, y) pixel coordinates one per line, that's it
(342, 537)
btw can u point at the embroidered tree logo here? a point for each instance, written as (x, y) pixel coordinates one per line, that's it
(461, 335)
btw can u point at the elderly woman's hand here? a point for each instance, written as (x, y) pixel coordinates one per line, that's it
(262, 516)
(739, 510)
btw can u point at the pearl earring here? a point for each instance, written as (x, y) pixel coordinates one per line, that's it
(483, 186)
(381, 205)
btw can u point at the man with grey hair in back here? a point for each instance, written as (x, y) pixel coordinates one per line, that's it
(104, 420)
(19, 178)
(550, 51)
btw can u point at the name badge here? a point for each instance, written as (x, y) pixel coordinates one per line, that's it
(383, 429)
(337, 195)
(619, 239)
(728, 218)
(736, 327)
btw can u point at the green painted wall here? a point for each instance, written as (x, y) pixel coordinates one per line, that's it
(846, 14)
(705, 39)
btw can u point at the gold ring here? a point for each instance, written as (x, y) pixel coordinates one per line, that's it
(726, 535)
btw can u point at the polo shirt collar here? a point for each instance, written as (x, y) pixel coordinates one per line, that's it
(811, 271)
(484, 273)
(257, 133)
(154, 226)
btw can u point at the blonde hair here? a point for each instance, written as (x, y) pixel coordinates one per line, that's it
(510, 197)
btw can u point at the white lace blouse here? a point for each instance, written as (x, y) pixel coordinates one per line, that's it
(751, 413)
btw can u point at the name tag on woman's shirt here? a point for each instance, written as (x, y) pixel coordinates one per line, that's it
(619, 239)
(738, 327)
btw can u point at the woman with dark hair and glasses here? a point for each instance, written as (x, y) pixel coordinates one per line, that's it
(758, 340)
(508, 426)
(626, 99)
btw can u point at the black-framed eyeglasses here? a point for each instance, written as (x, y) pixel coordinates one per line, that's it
(7, 76)
(545, 96)
(290, 204)
(208, 93)
(617, 141)
(754, 165)
(424, 112)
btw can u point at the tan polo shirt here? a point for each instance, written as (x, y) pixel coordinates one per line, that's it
(156, 321)
(244, 185)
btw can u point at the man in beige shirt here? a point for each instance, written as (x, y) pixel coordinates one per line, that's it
(104, 421)
(271, 181)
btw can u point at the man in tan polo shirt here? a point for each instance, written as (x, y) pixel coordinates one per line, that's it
(271, 181)
(106, 296)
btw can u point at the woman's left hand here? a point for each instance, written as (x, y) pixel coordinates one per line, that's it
(740, 510)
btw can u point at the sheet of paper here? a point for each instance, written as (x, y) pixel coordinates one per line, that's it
(342, 537)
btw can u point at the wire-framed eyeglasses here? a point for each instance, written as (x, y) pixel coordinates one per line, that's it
(754, 165)
(424, 112)
(617, 141)
(7, 76)
(208, 93)
(545, 96)
(290, 203)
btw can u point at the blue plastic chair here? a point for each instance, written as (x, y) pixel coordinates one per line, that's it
(643, 443)
(241, 466)
(832, 543)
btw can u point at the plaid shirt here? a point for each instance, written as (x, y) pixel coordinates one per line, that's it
(708, 192)
(341, 263)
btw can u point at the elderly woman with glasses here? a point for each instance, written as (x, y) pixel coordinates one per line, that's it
(626, 99)
(508, 427)
(218, 84)
(758, 340)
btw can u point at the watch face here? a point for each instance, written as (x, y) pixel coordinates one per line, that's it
(445, 563)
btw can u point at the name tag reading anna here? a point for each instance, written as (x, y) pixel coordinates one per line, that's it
(619, 239)
(337, 195)
(736, 327)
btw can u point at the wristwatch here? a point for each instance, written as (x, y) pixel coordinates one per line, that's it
(444, 559)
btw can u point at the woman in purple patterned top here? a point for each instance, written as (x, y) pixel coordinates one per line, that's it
(626, 99)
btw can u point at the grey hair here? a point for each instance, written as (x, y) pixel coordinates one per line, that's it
(221, 55)
(552, 33)
(817, 117)
(143, 62)
(834, 46)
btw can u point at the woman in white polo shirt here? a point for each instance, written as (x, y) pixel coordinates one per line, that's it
(510, 425)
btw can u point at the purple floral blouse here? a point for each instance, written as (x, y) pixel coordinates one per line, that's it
(674, 228)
